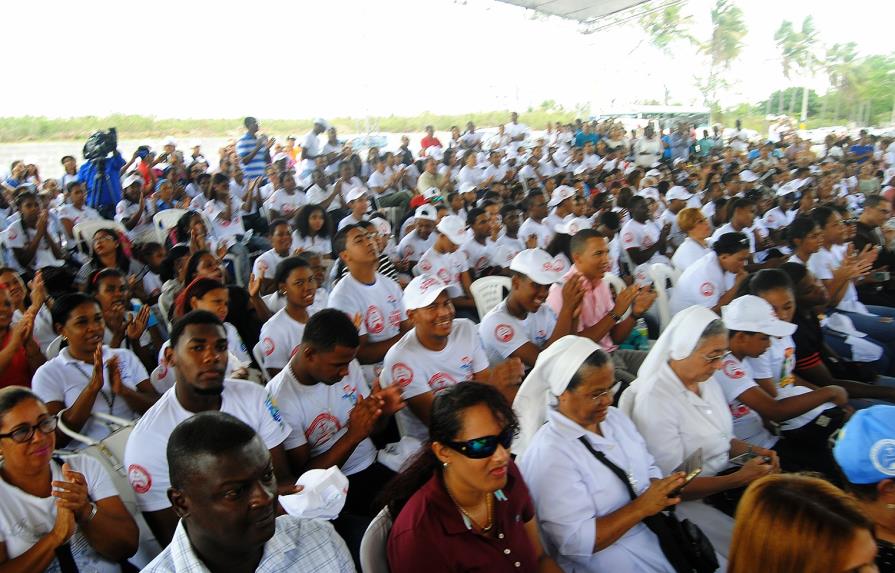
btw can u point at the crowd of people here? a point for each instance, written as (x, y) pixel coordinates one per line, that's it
(689, 366)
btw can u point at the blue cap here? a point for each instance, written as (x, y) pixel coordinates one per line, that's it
(865, 449)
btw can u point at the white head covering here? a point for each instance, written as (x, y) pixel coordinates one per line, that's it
(676, 342)
(548, 379)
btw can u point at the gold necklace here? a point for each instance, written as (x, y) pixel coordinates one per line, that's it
(488, 503)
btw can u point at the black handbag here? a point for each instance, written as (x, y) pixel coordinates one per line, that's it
(685, 545)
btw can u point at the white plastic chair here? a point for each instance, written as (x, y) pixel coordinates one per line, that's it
(373, 558)
(617, 285)
(85, 230)
(54, 348)
(166, 220)
(487, 292)
(258, 354)
(661, 273)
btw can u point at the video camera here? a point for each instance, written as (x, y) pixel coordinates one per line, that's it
(101, 144)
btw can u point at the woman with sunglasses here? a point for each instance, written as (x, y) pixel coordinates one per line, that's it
(586, 514)
(88, 376)
(679, 408)
(55, 515)
(461, 504)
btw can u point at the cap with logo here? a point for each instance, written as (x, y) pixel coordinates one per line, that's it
(422, 291)
(355, 193)
(560, 194)
(571, 225)
(454, 228)
(752, 313)
(678, 192)
(431, 193)
(426, 212)
(865, 448)
(537, 265)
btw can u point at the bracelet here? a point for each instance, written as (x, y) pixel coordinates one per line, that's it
(93, 510)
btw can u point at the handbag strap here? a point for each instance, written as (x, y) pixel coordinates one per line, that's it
(601, 457)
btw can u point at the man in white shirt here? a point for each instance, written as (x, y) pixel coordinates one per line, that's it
(561, 202)
(286, 200)
(445, 261)
(642, 238)
(198, 355)
(359, 204)
(516, 131)
(323, 396)
(478, 249)
(437, 353)
(647, 149)
(521, 326)
(677, 198)
(310, 147)
(508, 244)
(417, 241)
(370, 299)
(210, 456)
(383, 184)
(536, 206)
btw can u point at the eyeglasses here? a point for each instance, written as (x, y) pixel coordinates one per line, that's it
(710, 359)
(480, 448)
(23, 434)
(609, 392)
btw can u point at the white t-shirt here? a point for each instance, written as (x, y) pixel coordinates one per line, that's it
(235, 343)
(447, 267)
(412, 247)
(320, 245)
(125, 210)
(478, 256)
(541, 230)
(17, 237)
(417, 369)
(502, 333)
(318, 414)
(822, 264)
(25, 519)
(63, 378)
(145, 456)
(728, 228)
(504, 250)
(702, 283)
(225, 228)
(734, 378)
(266, 264)
(514, 130)
(471, 175)
(280, 338)
(75, 215)
(642, 236)
(311, 144)
(284, 203)
(688, 253)
(776, 218)
(378, 184)
(777, 364)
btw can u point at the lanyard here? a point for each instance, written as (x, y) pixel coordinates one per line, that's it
(110, 402)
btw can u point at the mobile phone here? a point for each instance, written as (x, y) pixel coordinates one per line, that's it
(881, 276)
(691, 467)
(742, 459)
(687, 479)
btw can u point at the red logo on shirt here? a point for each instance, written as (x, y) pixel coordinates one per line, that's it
(440, 381)
(559, 265)
(139, 478)
(647, 242)
(374, 320)
(408, 250)
(394, 318)
(628, 237)
(324, 427)
(733, 370)
(444, 275)
(707, 288)
(425, 266)
(262, 266)
(481, 263)
(402, 374)
(739, 410)
(504, 332)
(268, 345)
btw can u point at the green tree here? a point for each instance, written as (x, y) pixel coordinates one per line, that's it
(667, 26)
(724, 46)
(798, 56)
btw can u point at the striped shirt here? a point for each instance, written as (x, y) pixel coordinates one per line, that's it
(298, 546)
(255, 167)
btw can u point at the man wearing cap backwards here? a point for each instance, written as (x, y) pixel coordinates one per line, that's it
(445, 261)
(561, 201)
(807, 418)
(521, 326)
(865, 452)
(370, 299)
(417, 241)
(440, 351)
(677, 198)
(599, 315)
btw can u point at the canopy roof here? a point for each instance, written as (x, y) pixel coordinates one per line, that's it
(580, 10)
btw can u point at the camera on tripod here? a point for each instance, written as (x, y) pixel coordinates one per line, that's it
(101, 144)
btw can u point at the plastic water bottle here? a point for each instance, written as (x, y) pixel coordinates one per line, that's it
(642, 333)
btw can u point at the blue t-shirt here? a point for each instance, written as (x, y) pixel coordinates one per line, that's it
(858, 149)
(581, 138)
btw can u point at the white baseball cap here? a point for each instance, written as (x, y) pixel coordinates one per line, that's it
(653, 173)
(751, 313)
(355, 193)
(467, 187)
(571, 225)
(435, 153)
(426, 212)
(748, 176)
(422, 291)
(130, 180)
(560, 194)
(431, 193)
(538, 265)
(786, 189)
(649, 192)
(454, 228)
(322, 122)
(678, 192)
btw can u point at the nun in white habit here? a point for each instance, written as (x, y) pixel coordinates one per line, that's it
(679, 408)
(585, 512)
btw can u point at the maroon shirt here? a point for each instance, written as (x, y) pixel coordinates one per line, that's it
(430, 536)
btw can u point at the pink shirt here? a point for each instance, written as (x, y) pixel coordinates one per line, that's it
(596, 303)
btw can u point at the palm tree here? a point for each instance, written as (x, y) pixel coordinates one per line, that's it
(840, 66)
(724, 46)
(797, 51)
(664, 28)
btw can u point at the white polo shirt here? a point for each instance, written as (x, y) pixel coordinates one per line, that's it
(280, 338)
(145, 456)
(63, 378)
(417, 369)
(318, 414)
(447, 267)
(530, 227)
(734, 378)
(502, 333)
(266, 264)
(702, 283)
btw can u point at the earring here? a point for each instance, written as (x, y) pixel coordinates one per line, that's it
(445, 465)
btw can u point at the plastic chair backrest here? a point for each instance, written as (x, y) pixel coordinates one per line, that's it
(166, 220)
(85, 230)
(373, 557)
(487, 292)
(258, 353)
(617, 285)
(54, 348)
(661, 273)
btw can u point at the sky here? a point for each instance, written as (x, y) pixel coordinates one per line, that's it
(302, 58)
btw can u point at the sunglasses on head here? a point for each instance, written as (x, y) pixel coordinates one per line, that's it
(479, 448)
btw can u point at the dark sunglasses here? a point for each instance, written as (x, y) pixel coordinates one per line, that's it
(479, 448)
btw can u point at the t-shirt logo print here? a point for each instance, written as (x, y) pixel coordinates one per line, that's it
(402, 375)
(374, 320)
(139, 478)
(322, 429)
(504, 332)
(707, 288)
(732, 370)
